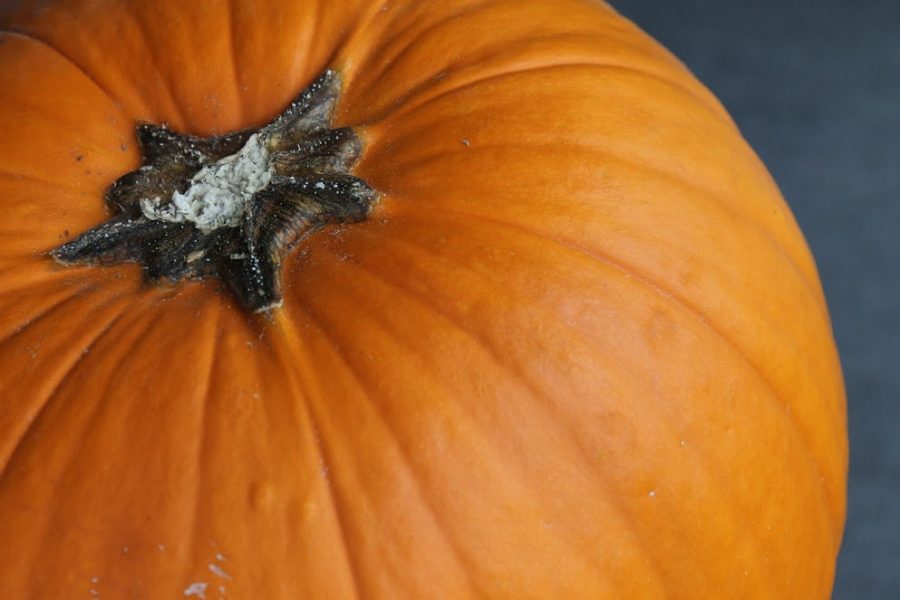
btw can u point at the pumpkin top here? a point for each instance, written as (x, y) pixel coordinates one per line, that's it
(577, 349)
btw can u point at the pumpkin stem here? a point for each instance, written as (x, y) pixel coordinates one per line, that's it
(231, 206)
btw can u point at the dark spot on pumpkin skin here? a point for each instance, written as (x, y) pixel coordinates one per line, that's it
(79, 157)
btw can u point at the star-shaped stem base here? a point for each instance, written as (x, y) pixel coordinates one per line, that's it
(309, 186)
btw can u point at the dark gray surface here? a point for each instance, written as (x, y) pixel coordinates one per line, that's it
(815, 88)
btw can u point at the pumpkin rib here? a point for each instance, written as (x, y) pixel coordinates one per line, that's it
(344, 359)
(388, 62)
(232, 58)
(515, 373)
(658, 55)
(181, 122)
(44, 311)
(712, 197)
(403, 107)
(59, 184)
(61, 54)
(45, 523)
(767, 392)
(404, 456)
(534, 392)
(202, 438)
(480, 341)
(47, 541)
(34, 418)
(814, 295)
(289, 337)
(707, 323)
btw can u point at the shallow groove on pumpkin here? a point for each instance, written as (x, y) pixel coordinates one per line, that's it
(404, 109)
(66, 184)
(341, 356)
(289, 344)
(816, 473)
(726, 496)
(212, 311)
(233, 54)
(61, 54)
(43, 311)
(706, 197)
(85, 421)
(173, 112)
(350, 368)
(34, 418)
(386, 328)
(540, 399)
(388, 58)
(516, 372)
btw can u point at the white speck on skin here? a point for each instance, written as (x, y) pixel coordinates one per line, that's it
(161, 547)
(220, 556)
(682, 443)
(218, 571)
(196, 589)
(466, 142)
(219, 192)
(95, 579)
(651, 493)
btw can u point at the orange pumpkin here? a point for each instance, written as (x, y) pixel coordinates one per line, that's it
(579, 348)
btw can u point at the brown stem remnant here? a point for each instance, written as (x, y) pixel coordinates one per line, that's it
(232, 206)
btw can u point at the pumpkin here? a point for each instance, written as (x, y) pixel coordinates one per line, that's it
(577, 348)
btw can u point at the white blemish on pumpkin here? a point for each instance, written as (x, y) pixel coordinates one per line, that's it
(161, 547)
(218, 571)
(651, 493)
(466, 142)
(219, 192)
(95, 579)
(196, 589)
(682, 443)
(220, 557)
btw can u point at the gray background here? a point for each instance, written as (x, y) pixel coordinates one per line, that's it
(815, 88)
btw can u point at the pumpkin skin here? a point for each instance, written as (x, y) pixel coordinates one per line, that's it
(579, 350)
